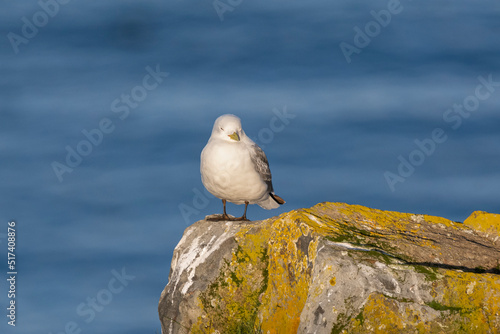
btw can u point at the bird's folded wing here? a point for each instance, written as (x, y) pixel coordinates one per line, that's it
(261, 164)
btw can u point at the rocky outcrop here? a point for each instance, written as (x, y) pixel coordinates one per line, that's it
(336, 268)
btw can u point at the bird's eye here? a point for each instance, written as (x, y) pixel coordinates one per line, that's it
(222, 129)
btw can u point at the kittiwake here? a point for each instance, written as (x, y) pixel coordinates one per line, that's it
(235, 169)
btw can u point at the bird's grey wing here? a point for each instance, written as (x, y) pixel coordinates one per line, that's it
(261, 164)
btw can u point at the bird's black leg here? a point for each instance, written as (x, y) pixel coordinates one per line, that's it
(224, 216)
(219, 217)
(244, 217)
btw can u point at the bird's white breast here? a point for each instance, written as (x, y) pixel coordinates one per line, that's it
(228, 172)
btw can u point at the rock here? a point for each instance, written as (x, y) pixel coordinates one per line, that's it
(336, 268)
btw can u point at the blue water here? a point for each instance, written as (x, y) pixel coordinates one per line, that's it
(118, 209)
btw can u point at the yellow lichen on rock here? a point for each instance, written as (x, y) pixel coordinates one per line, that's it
(291, 256)
(378, 219)
(379, 315)
(337, 268)
(281, 252)
(464, 303)
(230, 303)
(488, 223)
(475, 297)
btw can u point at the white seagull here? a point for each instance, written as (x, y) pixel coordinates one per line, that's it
(235, 169)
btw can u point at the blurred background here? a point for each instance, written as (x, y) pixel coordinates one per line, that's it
(347, 120)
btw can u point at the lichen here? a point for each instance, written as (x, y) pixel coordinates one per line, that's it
(466, 302)
(290, 272)
(440, 307)
(429, 272)
(342, 321)
(242, 294)
(230, 303)
(478, 304)
(488, 223)
(263, 286)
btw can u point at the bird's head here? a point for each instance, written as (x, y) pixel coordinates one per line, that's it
(228, 127)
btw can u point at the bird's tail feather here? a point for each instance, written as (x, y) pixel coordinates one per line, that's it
(272, 201)
(278, 199)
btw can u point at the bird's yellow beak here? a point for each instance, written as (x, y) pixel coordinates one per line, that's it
(235, 136)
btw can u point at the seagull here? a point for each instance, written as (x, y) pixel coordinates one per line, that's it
(235, 169)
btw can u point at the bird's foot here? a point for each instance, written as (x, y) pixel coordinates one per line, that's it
(220, 217)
